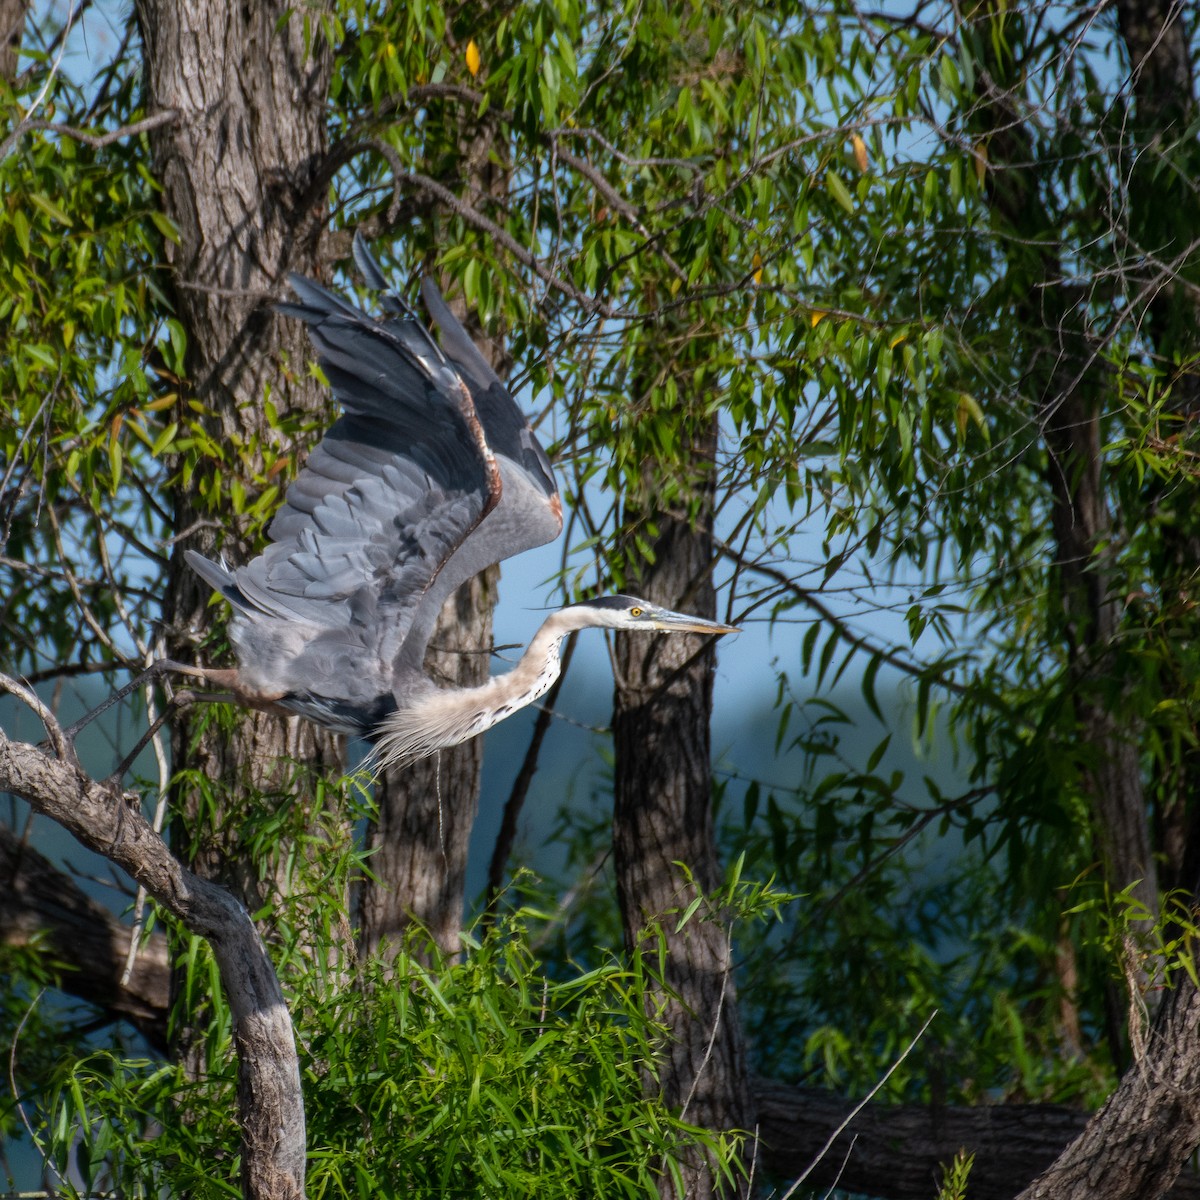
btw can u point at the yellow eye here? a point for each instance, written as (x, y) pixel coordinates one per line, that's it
(635, 612)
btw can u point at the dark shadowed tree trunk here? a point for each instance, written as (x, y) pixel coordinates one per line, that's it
(1066, 377)
(425, 813)
(664, 818)
(1162, 163)
(41, 904)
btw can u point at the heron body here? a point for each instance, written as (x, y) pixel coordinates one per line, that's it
(430, 475)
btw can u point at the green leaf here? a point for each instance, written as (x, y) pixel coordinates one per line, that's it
(51, 209)
(839, 191)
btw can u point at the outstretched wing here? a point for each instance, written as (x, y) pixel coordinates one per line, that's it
(529, 513)
(387, 514)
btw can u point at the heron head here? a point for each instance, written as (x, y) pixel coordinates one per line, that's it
(629, 612)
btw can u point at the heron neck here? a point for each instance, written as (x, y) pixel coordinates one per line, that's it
(441, 718)
(540, 665)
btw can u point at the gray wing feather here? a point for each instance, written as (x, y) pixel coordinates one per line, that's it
(396, 485)
(530, 511)
(402, 500)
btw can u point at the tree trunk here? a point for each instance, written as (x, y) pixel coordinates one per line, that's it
(420, 837)
(1160, 166)
(1136, 1145)
(663, 818)
(1064, 382)
(425, 813)
(237, 168)
(897, 1151)
(12, 26)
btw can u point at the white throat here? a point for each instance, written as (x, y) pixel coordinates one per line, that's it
(438, 718)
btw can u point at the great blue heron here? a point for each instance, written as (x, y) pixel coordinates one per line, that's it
(430, 475)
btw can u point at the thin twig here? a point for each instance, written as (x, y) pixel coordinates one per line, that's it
(100, 140)
(40, 98)
(833, 1137)
(12, 1079)
(160, 810)
(502, 850)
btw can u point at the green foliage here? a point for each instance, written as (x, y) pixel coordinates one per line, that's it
(955, 1177)
(35, 1034)
(83, 329)
(1149, 950)
(479, 1077)
(805, 263)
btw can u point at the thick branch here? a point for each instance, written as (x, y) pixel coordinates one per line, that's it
(896, 1151)
(271, 1109)
(38, 901)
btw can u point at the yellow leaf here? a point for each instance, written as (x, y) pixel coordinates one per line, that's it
(980, 160)
(816, 316)
(758, 267)
(473, 59)
(860, 153)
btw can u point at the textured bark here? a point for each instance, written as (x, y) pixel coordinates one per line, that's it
(270, 1103)
(897, 1151)
(237, 169)
(420, 837)
(39, 902)
(663, 817)
(1091, 612)
(12, 26)
(1136, 1145)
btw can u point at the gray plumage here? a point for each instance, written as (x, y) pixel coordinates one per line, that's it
(430, 475)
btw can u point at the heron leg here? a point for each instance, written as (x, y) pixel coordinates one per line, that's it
(181, 699)
(152, 672)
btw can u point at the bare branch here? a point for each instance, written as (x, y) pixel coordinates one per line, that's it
(473, 216)
(28, 697)
(271, 1110)
(99, 140)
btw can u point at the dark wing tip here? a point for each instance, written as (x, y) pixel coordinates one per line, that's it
(366, 263)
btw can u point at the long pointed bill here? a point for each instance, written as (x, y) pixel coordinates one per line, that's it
(673, 622)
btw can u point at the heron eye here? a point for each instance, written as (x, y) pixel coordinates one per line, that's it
(635, 612)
